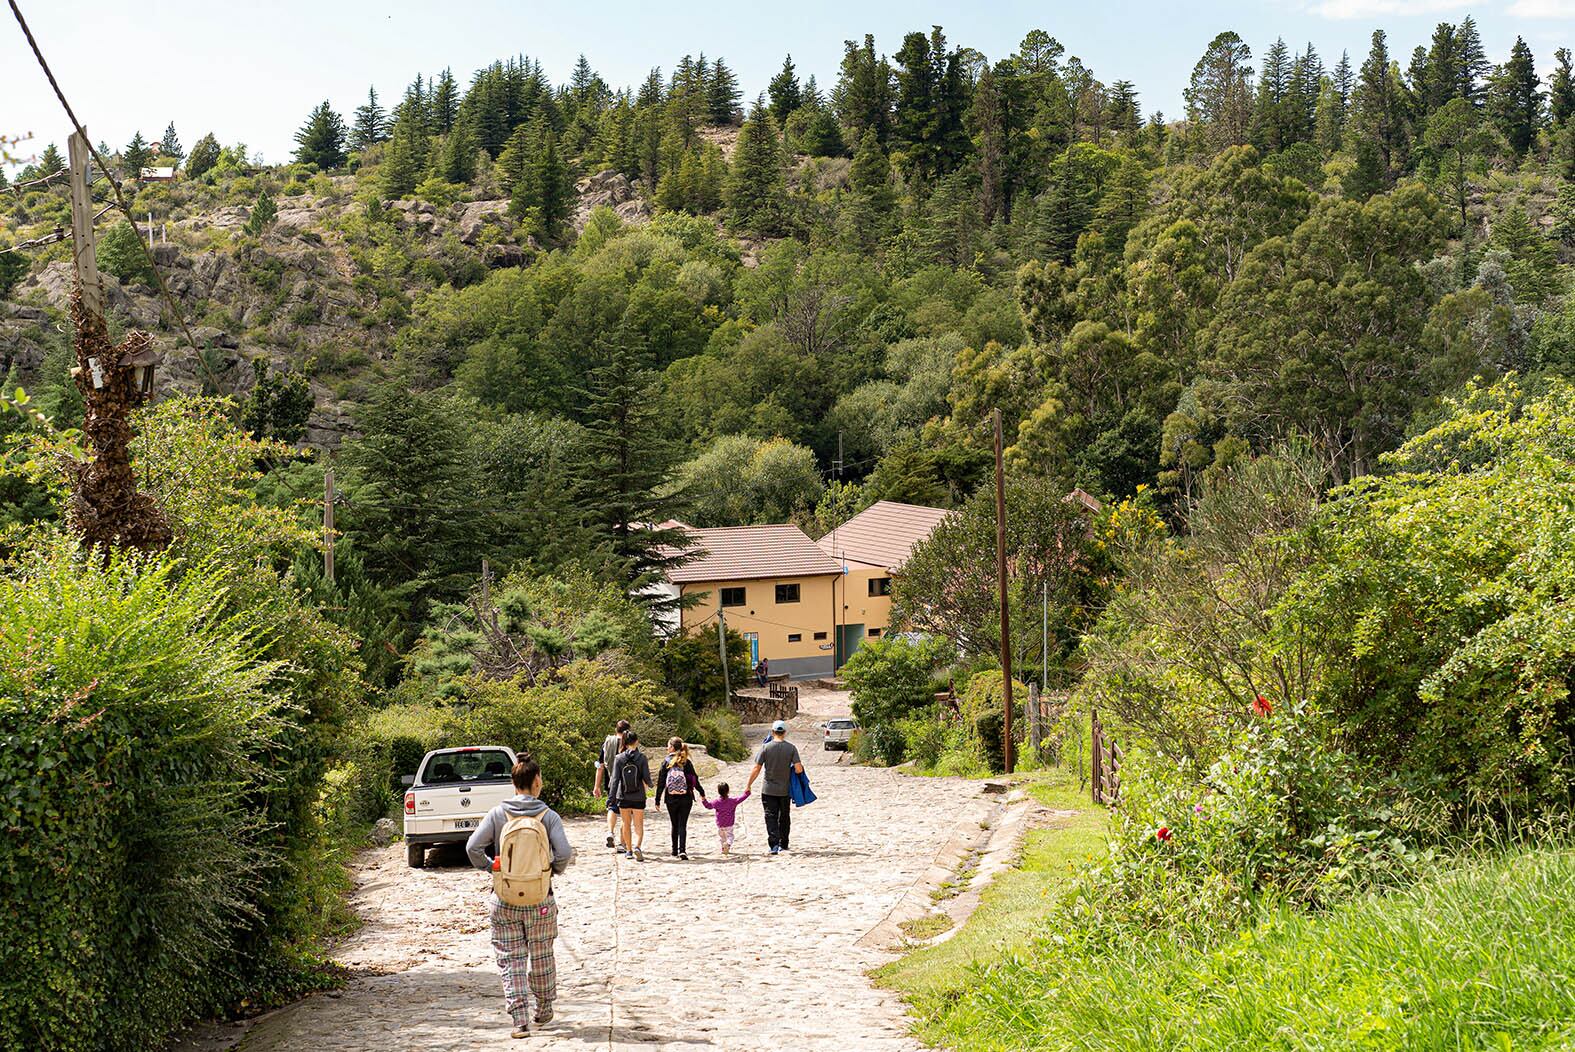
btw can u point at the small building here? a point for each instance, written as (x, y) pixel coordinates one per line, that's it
(159, 174)
(871, 548)
(774, 586)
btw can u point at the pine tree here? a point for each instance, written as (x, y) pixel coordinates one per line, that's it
(543, 199)
(514, 159)
(403, 160)
(784, 92)
(50, 161)
(321, 140)
(1471, 61)
(371, 123)
(722, 95)
(987, 122)
(1515, 100)
(169, 144)
(1443, 74)
(863, 96)
(623, 480)
(445, 103)
(822, 136)
(204, 155)
(135, 157)
(263, 214)
(1561, 90)
(1378, 110)
(455, 159)
(1219, 96)
(756, 190)
(1271, 120)
(930, 103)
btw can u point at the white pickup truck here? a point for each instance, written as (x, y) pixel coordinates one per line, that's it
(451, 792)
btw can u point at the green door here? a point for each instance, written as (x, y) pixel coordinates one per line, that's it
(848, 639)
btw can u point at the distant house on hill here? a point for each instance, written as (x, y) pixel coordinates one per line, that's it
(871, 548)
(774, 586)
(161, 174)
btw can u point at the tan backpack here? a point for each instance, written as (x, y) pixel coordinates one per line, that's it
(523, 876)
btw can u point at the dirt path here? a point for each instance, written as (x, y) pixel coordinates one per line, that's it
(744, 953)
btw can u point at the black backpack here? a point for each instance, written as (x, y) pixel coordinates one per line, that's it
(630, 778)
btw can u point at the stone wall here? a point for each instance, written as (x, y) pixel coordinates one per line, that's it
(757, 708)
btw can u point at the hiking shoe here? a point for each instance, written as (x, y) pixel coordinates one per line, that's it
(639, 856)
(544, 1014)
(520, 1030)
(684, 855)
(609, 841)
(776, 851)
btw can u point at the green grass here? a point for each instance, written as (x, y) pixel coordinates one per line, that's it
(1478, 957)
(1014, 906)
(926, 927)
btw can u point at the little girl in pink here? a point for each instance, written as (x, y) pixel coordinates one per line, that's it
(724, 806)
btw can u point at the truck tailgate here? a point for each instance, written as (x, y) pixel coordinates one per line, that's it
(454, 808)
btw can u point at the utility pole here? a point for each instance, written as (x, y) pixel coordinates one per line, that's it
(1000, 575)
(328, 525)
(1044, 661)
(721, 640)
(83, 245)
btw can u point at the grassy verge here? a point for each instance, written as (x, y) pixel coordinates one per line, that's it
(1012, 908)
(1478, 957)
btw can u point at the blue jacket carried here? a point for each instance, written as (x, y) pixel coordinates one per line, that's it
(799, 790)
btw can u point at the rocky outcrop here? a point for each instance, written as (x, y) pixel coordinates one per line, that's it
(609, 190)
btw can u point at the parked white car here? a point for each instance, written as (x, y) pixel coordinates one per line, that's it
(839, 732)
(451, 792)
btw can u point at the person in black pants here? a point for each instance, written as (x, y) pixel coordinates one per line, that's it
(678, 782)
(778, 759)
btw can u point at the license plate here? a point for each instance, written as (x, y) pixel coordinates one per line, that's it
(466, 823)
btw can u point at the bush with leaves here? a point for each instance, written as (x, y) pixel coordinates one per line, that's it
(122, 254)
(141, 759)
(893, 677)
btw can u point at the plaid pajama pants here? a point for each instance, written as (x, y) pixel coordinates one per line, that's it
(522, 938)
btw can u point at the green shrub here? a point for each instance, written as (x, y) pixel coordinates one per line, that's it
(139, 738)
(121, 254)
(722, 733)
(925, 739)
(891, 677)
(886, 744)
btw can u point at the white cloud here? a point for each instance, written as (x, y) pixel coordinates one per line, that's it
(1346, 9)
(1542, 9)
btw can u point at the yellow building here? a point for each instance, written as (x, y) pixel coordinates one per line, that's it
(774, 586)
(871, 547)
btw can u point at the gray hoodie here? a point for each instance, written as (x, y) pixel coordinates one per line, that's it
(482, 845)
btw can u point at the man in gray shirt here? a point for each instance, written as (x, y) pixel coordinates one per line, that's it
(778, 758)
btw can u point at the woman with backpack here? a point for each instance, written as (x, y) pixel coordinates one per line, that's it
(522, 843)
(631, 777)
(678, 782)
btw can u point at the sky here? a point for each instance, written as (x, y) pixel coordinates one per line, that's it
(251, 72)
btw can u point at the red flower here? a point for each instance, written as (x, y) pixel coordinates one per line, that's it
(1262, 705)
(1162, 834)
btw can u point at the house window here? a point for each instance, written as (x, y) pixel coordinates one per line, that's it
(820, 635)
(795, 637)
(787, 593)
(874, 632)
(880, 586)
(732, 597)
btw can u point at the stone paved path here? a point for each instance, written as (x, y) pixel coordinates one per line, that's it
(750, 953)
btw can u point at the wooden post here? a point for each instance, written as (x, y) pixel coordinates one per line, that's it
(721, 640)
(328, 525)
(1095, 747)
(486, 582)
(1000, 573)
(83, 245)
(1035, 721)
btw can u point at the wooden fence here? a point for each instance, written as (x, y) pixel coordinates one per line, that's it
(1105, 771)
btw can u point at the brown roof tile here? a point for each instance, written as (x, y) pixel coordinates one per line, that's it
(743, 553)
(883, 534)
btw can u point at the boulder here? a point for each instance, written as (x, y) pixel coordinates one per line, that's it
(499, 256)
(470, 218)
(383, 832)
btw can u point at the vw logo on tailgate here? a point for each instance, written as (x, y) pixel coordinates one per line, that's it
(464, 801)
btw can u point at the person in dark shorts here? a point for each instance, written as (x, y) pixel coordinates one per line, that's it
(777, 759)
(612, 745)
(631, 777)
(678, 782)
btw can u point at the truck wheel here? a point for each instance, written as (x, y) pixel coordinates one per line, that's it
(416, 855)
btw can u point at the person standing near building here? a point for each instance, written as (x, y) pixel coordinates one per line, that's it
(777, 759)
